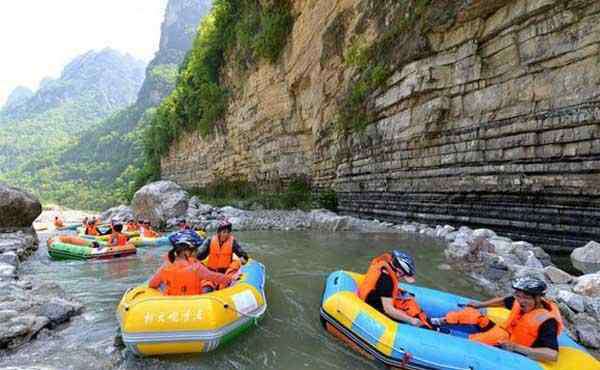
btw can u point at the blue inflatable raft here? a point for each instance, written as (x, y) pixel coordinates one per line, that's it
(397, 345)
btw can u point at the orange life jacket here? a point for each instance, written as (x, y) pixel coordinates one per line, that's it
(121, 239)
(149, 233)
(524, 328)
(220, 255)
(181, 278)
(132, 226)
(91, 230)
(400, 299)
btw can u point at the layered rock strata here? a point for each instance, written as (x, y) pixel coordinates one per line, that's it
(497, 126)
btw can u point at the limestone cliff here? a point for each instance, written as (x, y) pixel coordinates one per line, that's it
(494, 124)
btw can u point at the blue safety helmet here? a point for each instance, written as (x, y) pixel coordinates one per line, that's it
(404, 262)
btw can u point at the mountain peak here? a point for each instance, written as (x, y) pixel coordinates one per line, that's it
(17, 97)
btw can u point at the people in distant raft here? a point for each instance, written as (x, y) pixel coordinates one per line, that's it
(146, 230)
(58, 222)
(132, 225)
(182, 276)
(381, 288)
(532, 328)
(117, 238)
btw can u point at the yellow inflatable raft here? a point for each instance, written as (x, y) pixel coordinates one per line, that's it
(155, 324)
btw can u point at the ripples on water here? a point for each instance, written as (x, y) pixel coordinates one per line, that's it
(289, 337)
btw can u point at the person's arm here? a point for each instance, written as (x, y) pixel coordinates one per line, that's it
(396, 314)
(494, 302)
(238, 251)
(205, 274)
(156, 280)
(203, 250)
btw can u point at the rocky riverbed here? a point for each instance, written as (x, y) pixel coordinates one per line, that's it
(27, 307)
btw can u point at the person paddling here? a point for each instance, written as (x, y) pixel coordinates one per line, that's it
(532, 328)
(381, 288)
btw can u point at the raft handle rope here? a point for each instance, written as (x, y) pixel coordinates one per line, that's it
(407, 357)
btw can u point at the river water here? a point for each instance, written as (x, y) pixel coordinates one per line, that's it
(290, 335)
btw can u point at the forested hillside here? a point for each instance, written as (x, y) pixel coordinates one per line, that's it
(35, 132)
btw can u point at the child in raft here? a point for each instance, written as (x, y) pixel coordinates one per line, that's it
(182, 276)
(117, 238)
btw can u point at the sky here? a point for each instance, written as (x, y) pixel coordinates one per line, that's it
(39, 37)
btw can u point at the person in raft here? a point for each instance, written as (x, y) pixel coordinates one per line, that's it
(532, 328)
(117, 238)
(58, 222)
(182, 276)
(381, 289)
(132, 225)
(220, 250)
(146, 230)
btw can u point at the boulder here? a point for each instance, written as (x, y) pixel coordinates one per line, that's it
(441, 232)
(557, 276)
(483, 233)
(18, 208)
(588, 285)
(160, 201)
(59, 310)
(574, 301)
(588, 333)
(502, 246)
(587, 258)
(121, 213)
(460, 250)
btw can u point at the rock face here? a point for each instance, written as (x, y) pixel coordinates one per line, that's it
(18, 208)
(26, 309)
(587, 258)
(160, 201)
(496, 126)
(121, 213)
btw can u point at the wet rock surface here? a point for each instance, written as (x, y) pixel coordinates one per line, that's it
(587, 258)
(18, 208)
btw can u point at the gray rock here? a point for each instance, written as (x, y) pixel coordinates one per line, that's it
(59, 310)
(588, 285)
(574, 301)
(459, 250)
(588, 334)
(9, 258)
(121, 213)
(7, 271)
(483, 233)
(592, 307)
(160, 201)
(533, 262)
(587, 258)
(450, 237)
(18, 208)
(557, 276)
(502, 246)
(409, 228)
(441, 232)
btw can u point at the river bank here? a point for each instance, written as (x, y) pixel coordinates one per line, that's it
(28, 307)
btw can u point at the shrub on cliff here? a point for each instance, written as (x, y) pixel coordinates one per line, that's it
(242, 30)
